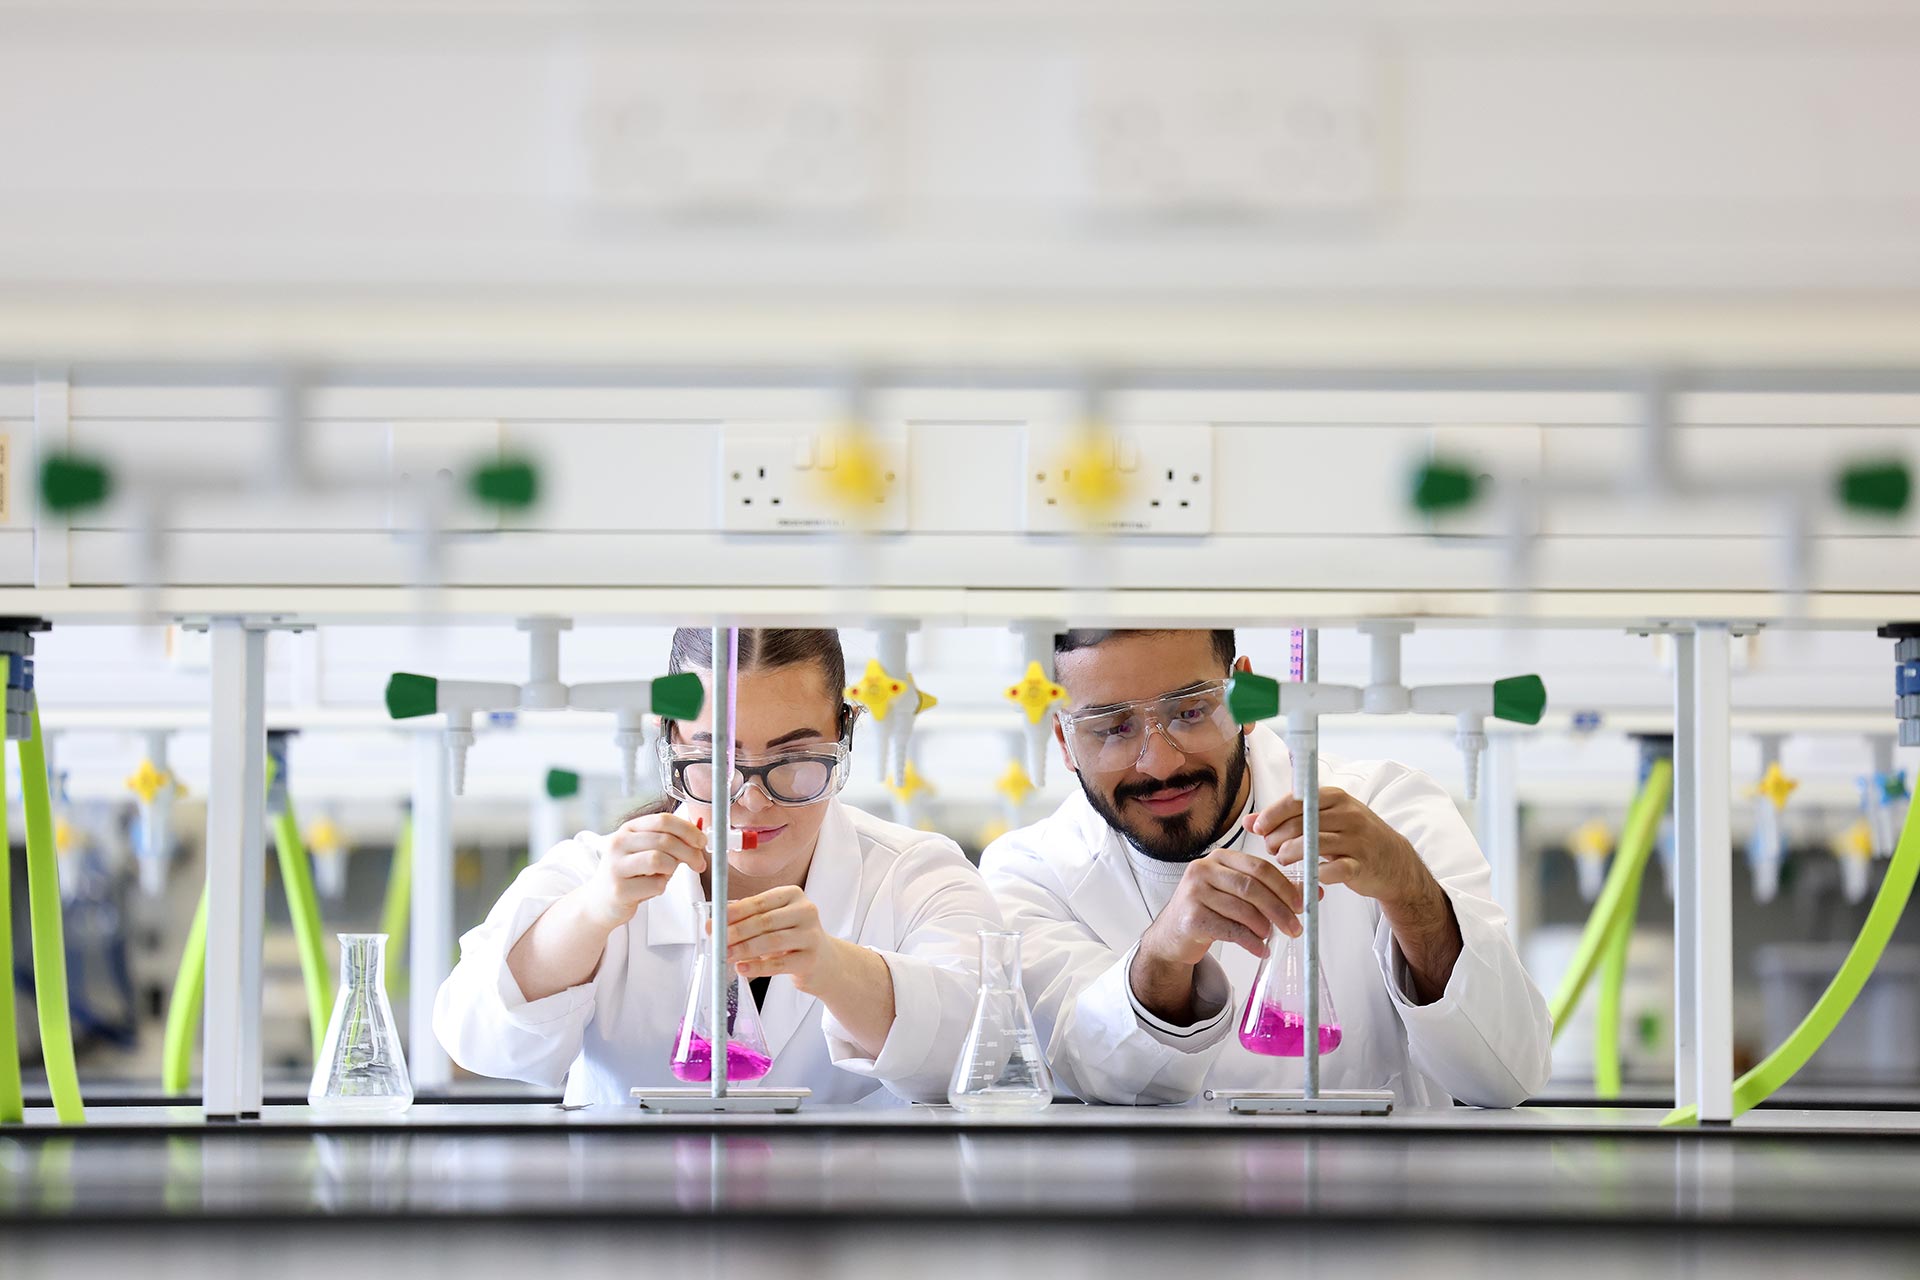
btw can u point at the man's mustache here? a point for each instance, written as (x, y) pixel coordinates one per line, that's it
(1191, 778)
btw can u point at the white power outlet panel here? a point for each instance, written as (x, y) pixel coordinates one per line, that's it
(1167, 472)
(778, 479)
(1183, 132)
(440, 455)
(725, 129)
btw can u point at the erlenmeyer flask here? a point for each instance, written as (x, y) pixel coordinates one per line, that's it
(1001, 1067)
(1275, 1021)
(361, 1067)
(747, 1055)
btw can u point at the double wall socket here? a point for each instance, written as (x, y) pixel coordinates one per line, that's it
(1166, 475)
(778, 478)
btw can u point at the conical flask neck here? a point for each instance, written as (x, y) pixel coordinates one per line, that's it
(999, 961)
(363, 959)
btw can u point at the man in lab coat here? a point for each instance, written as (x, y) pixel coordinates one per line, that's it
(1147, 900)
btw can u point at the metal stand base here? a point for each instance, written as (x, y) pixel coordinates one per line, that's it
(695, 1100)
(1330, 1102)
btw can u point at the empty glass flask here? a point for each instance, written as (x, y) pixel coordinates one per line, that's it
(361, 1067)
(1275, 1020)
(1001, 1067)
(748, 1058)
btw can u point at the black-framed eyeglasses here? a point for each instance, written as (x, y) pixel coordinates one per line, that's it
(787, 777)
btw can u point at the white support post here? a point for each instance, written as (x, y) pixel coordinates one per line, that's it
(236, 871)
(1712, 952)
(1305, 750)
(1686, 876)
(1499, 815)
(546, 822)
(430, 949)
(719, 836)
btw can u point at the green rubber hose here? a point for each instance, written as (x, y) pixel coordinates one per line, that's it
(49, 939)
(397, 908)
(12, 1104)
(303, 908)
(1780, 1066)
(1629, 862)
(183, 1010)
(1613, 979)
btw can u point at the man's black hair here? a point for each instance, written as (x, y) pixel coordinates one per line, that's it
(1088, 637)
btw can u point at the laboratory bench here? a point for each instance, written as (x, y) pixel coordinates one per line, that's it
(486, 1187)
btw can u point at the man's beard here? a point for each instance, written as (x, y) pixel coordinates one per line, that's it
(1181, 838)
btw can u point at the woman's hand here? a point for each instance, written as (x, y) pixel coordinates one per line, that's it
(779, 931)
(637, 861)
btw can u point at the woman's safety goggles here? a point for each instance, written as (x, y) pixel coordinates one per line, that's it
(788, 778)
(1111, 739)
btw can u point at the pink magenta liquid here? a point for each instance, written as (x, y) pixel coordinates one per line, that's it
(1282, 1033)
(743, 1064)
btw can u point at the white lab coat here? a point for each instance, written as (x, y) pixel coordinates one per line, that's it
(1066, 884)
(909, 895)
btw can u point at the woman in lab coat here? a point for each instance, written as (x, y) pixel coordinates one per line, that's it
(859, 935)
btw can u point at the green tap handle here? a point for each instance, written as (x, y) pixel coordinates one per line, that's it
(1520, 699)
(1252, 697)
(409, 695)
(1876, 488)
(510, 482)
(70, 482)
(1443, 485)
(678, 697)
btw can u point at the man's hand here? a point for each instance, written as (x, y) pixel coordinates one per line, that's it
(1227, 896)
(1358, 849)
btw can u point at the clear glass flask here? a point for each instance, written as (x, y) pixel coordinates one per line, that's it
(1275, 1020)
(747, 1056)
(1001, 1067)
(361, 1067)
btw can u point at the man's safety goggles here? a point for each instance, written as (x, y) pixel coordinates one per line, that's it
(1111, 739)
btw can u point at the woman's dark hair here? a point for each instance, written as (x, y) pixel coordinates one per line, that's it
(765, 649)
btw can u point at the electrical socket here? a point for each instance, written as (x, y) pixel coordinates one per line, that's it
(1167, 470)
(726, 129)
(442, 455)
(1260, 129)
(774, 479)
